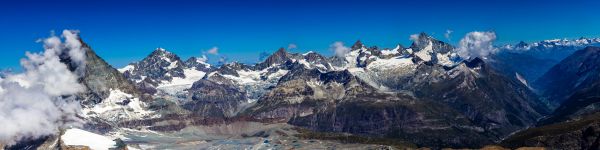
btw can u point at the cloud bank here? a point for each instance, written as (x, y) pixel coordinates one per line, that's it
(477, 44)
(38, 101)
(339, 49)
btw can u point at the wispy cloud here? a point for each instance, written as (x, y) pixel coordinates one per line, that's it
(339, 49)
(292, 46)
(213, 51)
(448, 34)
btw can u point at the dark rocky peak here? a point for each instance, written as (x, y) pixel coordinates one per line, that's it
(357, 45)
(198, 64)
(279, 57)
(475, 62)
(160, 64)
(399, 47)
(162, 54)
(521, 44)
(312, 56)
(423, 40)
(232, 68)
(315, 59)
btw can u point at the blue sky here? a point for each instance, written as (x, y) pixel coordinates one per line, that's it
(122, 32)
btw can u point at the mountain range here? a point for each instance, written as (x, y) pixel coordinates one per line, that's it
(542, 94)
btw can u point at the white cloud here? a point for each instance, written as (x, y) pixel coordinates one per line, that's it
(448, 34)
(37, 102)
(213, 50)
(339, 49)
(477, 44)
(292, 46)
(76, 51)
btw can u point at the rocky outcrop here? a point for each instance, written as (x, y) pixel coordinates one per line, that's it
(211, 99)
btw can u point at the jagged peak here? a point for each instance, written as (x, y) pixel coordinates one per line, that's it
(279, 57)
(281, 50)
(424, 35)
(522, 44)
(163, 53)
(421, 41)
(357, 45)
(400, 46)
(475, 62)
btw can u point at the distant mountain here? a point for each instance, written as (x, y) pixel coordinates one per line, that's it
(574, 84)
(574, 73)
(532, 60)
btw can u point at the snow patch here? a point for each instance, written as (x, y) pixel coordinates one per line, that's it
(129, 68)
(78, 137)
(178, 84)
(119, 105)
(521, 79)
(392, 51)
(425, 53)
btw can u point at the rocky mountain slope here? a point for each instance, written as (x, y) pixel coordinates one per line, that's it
(574, 124)
(574, 73)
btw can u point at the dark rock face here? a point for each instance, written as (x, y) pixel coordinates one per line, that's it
(574, 73)
(214, 100)
(33, 144)
(425, 123)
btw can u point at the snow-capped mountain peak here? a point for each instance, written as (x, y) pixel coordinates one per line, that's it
(553, 43)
